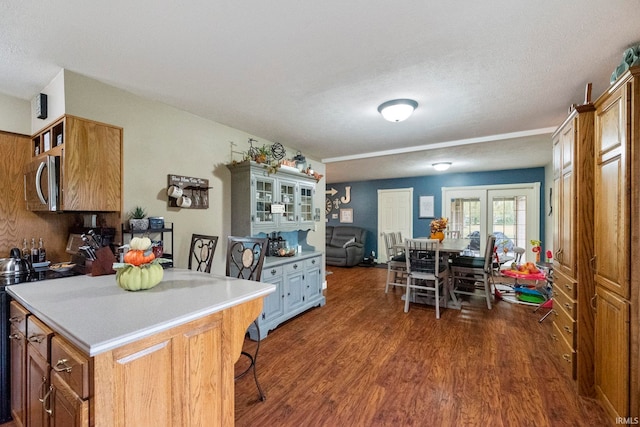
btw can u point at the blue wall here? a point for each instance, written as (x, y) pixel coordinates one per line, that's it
(364, 197)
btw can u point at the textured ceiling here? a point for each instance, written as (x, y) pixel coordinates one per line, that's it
(311, 74)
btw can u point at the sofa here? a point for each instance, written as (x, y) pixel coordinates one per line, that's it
(345, 245)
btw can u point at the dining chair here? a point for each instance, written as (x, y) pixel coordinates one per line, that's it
(427, 274)
(451, 234)
(201, 252)
(396, 263)
(245, 257)
(467, 272)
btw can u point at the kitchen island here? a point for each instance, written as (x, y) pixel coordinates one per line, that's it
(160, 357)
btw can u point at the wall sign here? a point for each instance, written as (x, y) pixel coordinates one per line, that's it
(187, 192)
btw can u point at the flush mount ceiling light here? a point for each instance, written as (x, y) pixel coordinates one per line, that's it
(397, 110)
(441, 166)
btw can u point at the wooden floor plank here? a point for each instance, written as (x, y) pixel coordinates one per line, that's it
(361, 361)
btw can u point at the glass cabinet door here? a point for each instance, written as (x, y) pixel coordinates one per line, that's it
(306, 203)
(264, 197)
(288, 199)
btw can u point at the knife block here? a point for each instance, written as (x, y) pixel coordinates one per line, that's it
(103, 264)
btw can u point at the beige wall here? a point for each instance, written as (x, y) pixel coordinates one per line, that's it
(14, 115)
(161, 140)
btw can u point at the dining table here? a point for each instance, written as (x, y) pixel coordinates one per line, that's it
(449, 248)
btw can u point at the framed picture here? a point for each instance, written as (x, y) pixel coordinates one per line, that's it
(426, 207)
(346, 215)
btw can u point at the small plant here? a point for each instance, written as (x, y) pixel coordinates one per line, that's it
(137, 213)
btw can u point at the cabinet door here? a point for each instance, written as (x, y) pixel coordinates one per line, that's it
(264, 190)
(313, 283)
(611, 202)
(294, 286)
(288, 197)
(66, 407)
(305, 205)
(91, 166)
(37, 387)
(18, 351)
(612, 352)
(566, 204)
(273, 306)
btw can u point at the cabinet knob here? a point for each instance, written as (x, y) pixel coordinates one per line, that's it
(295, 266)
(313, 261)
(273, 272)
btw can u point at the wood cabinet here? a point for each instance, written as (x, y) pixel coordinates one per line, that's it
(617, 245)
(573, 288)
(298, 288)
(18, 361)
(91, 162)
(265, 202)
(69, 387)
(37, 367)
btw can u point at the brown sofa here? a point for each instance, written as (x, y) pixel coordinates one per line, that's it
(345, 245)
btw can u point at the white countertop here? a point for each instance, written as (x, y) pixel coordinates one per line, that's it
(96, 315)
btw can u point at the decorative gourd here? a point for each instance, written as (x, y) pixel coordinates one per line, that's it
(138, 257)
(134, 278)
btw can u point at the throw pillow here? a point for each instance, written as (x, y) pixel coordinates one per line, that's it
(348, 242)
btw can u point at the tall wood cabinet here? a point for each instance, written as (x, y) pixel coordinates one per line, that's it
(91, 162)
(617, 245)
(573, 288)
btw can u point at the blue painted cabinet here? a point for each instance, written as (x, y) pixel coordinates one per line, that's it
(298, 282)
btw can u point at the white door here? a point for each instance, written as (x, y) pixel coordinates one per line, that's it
(395, 213)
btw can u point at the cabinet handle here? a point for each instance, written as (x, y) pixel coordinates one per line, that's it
(14, 336)
(594, 303)
(567, 329)
(295, 266)
(566, 357)
(313, 261)
(36, 338)
(47, 399)
(43, 386)
(555, 313)
(569, 287)
(567, 306)
(554, 337)
(61, 366)
(15, 319)
(273, 272)
(593, 263)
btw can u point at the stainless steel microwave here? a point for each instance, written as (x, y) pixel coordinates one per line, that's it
(42, 184)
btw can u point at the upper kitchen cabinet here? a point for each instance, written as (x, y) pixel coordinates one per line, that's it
(90, 163)
(263, 202)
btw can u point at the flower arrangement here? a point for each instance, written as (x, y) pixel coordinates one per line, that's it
(438, 225)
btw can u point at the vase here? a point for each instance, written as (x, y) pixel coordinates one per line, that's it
(437, 235)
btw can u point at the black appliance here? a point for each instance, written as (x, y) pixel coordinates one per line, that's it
(5, 380)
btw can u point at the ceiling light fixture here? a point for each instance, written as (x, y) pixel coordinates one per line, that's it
(397, 110)
(441, 166)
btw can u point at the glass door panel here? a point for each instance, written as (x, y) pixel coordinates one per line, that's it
(264, 198)
(288, 199)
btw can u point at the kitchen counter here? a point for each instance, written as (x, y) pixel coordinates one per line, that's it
(96, 315)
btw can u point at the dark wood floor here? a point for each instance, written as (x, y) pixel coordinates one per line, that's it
(362, 361)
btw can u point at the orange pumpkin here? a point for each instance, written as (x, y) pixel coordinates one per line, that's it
(137, 257)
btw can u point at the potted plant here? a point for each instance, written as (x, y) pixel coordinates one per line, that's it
(262, 154)
(137, 219)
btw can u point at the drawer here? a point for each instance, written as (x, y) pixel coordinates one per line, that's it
(71, 364)
(313, 262)
(294, 267)
(567, 285)
(564, 351)
(38, 336)
(562, 300)
(565, 324)
(269, 272)
(18, 317)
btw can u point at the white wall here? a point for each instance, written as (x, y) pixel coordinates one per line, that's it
(161, 140)
(55, 104)
(14, 115)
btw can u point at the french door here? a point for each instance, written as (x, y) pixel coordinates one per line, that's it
(512, 212)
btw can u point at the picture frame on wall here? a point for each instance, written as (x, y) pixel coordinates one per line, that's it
(427, 207)
(346, 215)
